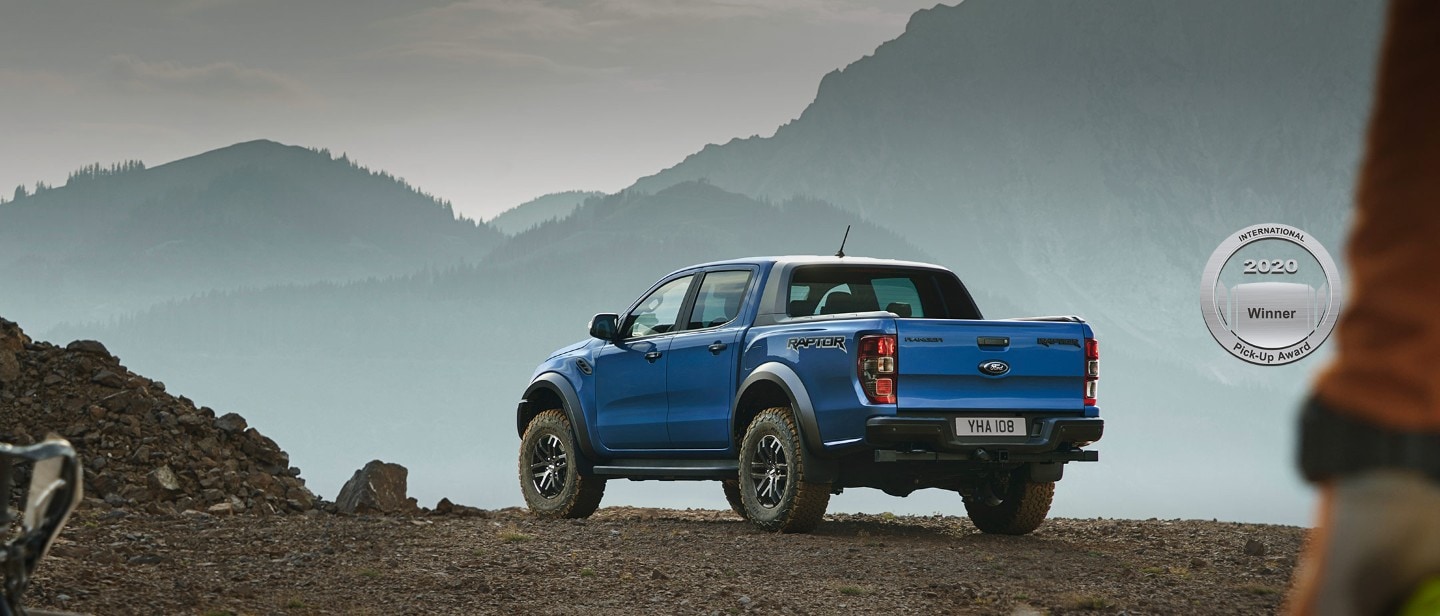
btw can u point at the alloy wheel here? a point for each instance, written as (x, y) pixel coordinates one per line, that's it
(548, 465)
(771, 471)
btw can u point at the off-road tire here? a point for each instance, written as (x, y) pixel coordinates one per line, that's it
(1022, 508)
(793, 505)
(732, 496)
(567, 493)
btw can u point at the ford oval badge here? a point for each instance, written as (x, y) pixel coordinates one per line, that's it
(994, 367)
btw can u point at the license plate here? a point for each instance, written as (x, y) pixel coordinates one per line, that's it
(989, 426)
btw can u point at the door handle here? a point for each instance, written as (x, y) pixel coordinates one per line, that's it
(652, 356)
(717, 347)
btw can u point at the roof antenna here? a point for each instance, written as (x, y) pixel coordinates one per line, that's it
(841, 253)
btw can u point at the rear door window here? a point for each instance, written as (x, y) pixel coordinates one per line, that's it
(719, 299)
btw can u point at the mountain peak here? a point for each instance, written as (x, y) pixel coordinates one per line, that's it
(258, 143)
(255, 151)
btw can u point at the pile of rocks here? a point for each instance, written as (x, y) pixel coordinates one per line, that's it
(142, 448)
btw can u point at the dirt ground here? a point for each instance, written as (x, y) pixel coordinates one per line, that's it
(627, 561)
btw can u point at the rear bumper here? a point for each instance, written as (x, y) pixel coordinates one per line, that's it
(1049, 439)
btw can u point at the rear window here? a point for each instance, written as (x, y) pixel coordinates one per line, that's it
(907, 292)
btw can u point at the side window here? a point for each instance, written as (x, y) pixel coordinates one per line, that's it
(719, 299)
(800, 303)
(658, 312)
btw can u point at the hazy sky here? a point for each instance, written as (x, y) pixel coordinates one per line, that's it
(487, 103)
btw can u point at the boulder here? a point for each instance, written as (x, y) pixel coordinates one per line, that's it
(379, 487)
(1254, 547)
(9, 367)
(12, 343)
(163, 481)
(231, 423)
(11, 337)
(445, 507)
(108, 379)
(92, 347)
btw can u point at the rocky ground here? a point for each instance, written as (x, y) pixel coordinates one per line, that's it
(193, 512)
(629, 561)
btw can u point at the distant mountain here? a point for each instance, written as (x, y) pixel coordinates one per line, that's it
(1083, 156)
(543, 209)
(249, 215)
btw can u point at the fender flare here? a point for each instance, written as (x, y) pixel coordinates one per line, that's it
(789, 382)
(556, 384)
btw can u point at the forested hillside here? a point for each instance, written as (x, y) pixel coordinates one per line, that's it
(115, 240)
(532, 213)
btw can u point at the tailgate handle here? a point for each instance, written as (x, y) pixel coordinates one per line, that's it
(993, 341)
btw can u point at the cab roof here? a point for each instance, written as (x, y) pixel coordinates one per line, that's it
(792, 260)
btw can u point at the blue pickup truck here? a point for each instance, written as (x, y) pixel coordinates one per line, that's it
(789, 379)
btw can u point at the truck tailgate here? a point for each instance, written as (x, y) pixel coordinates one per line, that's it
(942, 365)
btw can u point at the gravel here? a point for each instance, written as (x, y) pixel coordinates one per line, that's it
(626, 560)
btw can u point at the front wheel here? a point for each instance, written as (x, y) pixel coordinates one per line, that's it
(549, 477)
(1009, 504)
(773, 486)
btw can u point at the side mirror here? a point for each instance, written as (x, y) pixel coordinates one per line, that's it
(605, 326)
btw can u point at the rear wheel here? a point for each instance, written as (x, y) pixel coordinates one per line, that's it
(773, 488)
(549, 476)
(1008, 504)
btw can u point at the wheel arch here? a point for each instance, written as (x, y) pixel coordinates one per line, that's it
(548, 391)
(775, 384)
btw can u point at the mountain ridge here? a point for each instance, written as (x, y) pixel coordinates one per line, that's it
(251, 214)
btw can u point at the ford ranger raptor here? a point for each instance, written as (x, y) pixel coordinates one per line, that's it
(788, 379)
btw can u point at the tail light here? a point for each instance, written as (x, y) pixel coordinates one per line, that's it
(1092, 369)
(877, 368)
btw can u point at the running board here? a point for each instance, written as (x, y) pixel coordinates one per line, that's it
(669, 469)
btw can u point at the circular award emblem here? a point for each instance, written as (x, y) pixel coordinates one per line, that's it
(1270, 294)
